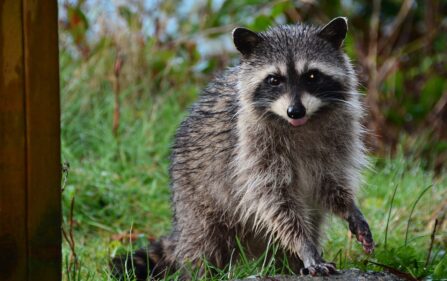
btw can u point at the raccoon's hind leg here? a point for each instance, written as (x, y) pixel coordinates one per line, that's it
(149, 263)
(205, 242)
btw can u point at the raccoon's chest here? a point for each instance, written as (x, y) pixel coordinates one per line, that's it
(307, 181)
(301, 160)
(311, 165)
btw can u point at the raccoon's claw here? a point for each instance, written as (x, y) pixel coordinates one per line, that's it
(360, 228)
(365, 238)
(320, 269)
(313, 262)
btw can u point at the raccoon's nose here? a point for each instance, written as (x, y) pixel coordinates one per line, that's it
(296, 112)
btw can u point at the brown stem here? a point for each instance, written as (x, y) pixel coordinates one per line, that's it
(395, 271)
(377, 120)
(396, 24)
(117, 89)
(432, 240)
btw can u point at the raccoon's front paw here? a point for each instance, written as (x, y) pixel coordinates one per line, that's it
(314, 263)
(360, 228)
(323, 269)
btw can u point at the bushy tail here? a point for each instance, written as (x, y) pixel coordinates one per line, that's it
(149, 263)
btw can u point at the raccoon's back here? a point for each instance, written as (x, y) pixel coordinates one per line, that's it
(204, 143)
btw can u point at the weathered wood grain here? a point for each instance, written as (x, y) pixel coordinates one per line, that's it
(30, 211)
(13, 233)
(43, 138)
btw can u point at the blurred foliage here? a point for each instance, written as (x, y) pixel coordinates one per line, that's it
(129, 69)
(398, 48)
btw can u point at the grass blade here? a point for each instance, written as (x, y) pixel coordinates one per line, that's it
(412, 210)
(389, 215)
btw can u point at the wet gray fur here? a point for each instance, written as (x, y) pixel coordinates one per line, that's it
(237, 170)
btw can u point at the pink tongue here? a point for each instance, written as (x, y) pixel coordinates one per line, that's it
(298, 122)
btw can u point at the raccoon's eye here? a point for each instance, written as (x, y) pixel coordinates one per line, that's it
(273, 80)
(312, 76)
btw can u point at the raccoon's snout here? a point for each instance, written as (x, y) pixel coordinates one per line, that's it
(297, 115)
(296, 111)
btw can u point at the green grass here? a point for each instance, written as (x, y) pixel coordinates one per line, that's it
(120, 184)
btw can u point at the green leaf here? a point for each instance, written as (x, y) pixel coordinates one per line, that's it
(262, 22)
(440, 270)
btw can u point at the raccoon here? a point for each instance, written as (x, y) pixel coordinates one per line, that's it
(270, 148)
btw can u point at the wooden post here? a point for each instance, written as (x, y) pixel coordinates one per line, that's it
(30, 168)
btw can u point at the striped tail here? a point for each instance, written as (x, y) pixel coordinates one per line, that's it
(150, 263)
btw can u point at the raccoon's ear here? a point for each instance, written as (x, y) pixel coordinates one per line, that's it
(335, 31)
(245, 40)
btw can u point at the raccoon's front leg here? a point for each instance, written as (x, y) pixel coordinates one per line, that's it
(340, 200)
(360, 228)
(289, 221)
(313, 262)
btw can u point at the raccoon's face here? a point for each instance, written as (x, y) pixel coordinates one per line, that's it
(294, 72)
